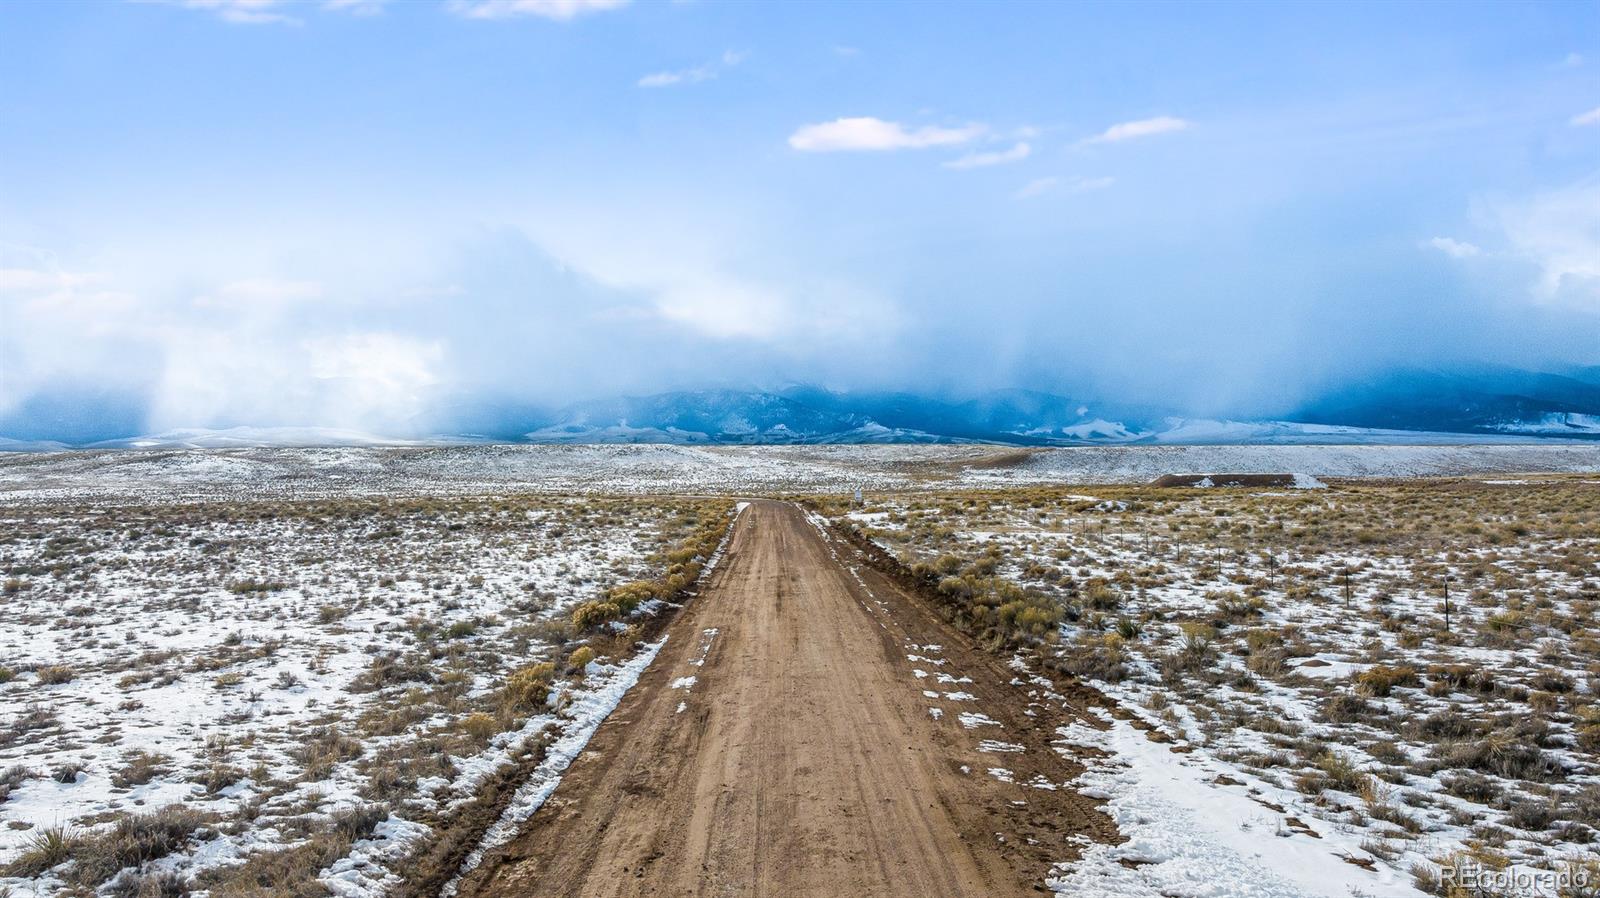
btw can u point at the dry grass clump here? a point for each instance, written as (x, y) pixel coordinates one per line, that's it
(1380, 680)
(292, 872)
(322, 749)
(55, 675)
(1096, 656)
(46, 849)
(133, 841)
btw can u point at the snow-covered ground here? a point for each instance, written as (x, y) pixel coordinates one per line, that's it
(230, 474)
(265, 668)
(1287, 736)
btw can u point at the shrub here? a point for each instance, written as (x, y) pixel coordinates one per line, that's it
(1552, 681)
(1346, 707)
(1233, 607)
(1533, 816)
(1473, 787)
(149, 885)
(356, 823)
(140, 769)
(1100, 595)
(67, 773)
(958, 587)
(1380, 679)
(1096, 657)
(252, 585)
(55, 675)
(1029, 616)
(1342, 773)
(219, 777)
(579, 659)
(392, 670)
(1587, 729)
(1501, 753)
(591, 615)
(1447, 725)
(324, 748)
(629, 596)
(528, 688)
(479, 726)
(1583, 806)
(1464, 677)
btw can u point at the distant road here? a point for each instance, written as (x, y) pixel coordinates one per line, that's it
(803, 758)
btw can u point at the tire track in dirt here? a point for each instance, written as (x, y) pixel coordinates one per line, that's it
(805, 757)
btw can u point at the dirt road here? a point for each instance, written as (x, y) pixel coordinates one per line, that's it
(808, 730)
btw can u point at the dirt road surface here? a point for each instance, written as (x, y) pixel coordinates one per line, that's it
(808, 730)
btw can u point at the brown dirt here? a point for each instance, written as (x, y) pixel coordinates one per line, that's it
(997, 461)
(805, 761)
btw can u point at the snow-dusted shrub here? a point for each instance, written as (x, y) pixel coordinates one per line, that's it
(528, 688)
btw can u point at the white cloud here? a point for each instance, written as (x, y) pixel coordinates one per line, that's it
(997, 157)
(559, 10)
(32, 280)
(1146, 127)
(272, 12)
(1040, 186)
(260, 293)
(842, 50)
(356, 7)
(694, 75)
(1455, 249)
(682, 76)
(1592, 117)
(1572, 60)
(241, 12)
(865, 133)
(1037, 186)
(1559, 232)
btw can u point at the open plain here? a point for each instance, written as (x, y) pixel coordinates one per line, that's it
(657, 670)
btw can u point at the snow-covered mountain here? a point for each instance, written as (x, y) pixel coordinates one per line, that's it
(1482, 404)
(812, 415)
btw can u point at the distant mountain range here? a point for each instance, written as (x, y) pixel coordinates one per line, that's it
(1479, 404)
(1397, 410)
(1485, 400)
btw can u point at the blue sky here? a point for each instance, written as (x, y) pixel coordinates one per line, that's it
(355, 213)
